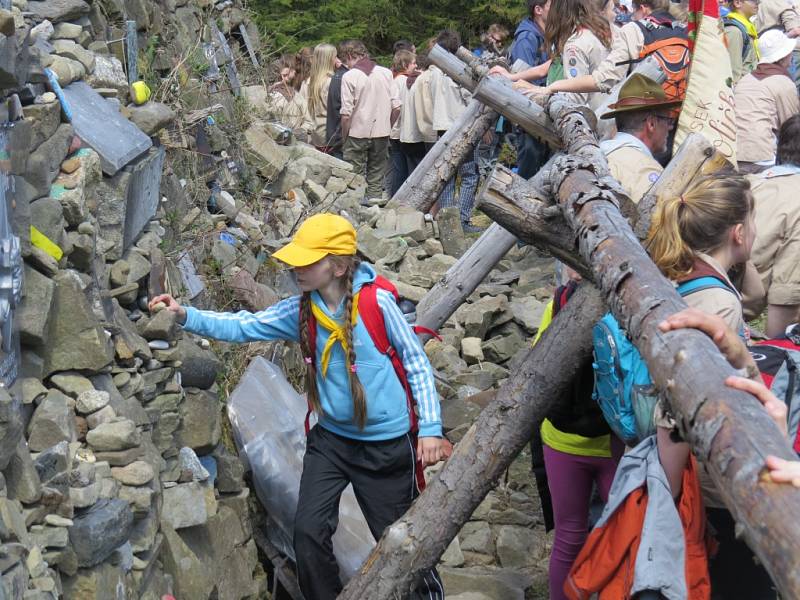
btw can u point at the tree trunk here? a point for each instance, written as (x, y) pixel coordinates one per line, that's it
(416, 541)
(455, 68)
(423, 186)
(695, 155)
(498, 93)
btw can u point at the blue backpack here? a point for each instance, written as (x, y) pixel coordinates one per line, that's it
(622, 384)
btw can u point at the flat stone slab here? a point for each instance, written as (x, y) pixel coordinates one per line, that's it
(98, 123)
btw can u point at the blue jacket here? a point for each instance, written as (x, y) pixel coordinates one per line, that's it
(529, 46)
(387, 407)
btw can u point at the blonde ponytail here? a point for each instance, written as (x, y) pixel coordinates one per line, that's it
(697, 221)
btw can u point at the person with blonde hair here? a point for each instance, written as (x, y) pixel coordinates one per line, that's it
(315, 91)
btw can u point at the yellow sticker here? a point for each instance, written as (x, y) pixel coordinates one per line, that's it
(43, 242)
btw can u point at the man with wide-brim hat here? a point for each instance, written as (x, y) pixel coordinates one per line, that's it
(764, 100)
(644, 117)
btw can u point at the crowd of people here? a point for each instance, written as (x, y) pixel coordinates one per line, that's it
(730, 243)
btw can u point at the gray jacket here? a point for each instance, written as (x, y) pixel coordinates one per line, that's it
(660, 561)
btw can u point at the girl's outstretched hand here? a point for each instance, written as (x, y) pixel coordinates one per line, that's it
(170, 304)
(430, 450)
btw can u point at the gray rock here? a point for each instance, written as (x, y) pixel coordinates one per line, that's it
(379, 248)
(52, 461)
(70, 49)
(47, 216)
(199, 366)
(495, 584)
(411, 223)
(82, 254)
(270, 158)
(230, 474)
(528, 312)
(66, 69)
(104, 415)
(453, 556)
(76, 341)
(44, 163)
(184, 505)
(519, 547)
(67, 31)
(72, 384)
(119, 273)
(11, 426)
(98, 531)
(108, 73)
(114, 435)
(56, 11)
(43, 120)
(200, 425)
(22, 480)
(479, 316)
(471, 350)
(151, 117)
(188, 462)
(32, 390)
(91, 401)
(190, 576)
(83, 497)
(162, 326)
(501, 348)
(140, 498)
(137, 473)
(12, 522)
(451, 233)
(45, 536)
(52, 422)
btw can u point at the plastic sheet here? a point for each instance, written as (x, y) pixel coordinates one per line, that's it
(267, 416)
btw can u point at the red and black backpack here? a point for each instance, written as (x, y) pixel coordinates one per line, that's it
(372, 317)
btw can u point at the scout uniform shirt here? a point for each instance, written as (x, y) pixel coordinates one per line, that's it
(777, 245)
(740, 65)
(632, 164)
(626, 45)
(449, 100)
(583, 53)
(422, 99)
(783, 14)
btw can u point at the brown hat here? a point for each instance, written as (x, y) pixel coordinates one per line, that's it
(640, 93)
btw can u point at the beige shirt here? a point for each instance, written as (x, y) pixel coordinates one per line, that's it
(740, 66)
(423, 105)
(317, 121)
(368, 101)
(449, 100)
(399, 82)
(583, 53)
(777, 13)
(626, 44)
(761, 108)
(776, 251)
(409, 130)
(291, 112)
(631, 164)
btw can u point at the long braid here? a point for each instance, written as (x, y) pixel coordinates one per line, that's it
(356, 389)
(309, 354)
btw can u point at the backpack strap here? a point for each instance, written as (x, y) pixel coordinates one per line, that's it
(745, 36)
(706, 282)
(372, 317)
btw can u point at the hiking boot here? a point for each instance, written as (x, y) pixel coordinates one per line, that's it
(470, 228)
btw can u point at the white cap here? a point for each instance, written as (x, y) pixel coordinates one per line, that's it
(774, 45)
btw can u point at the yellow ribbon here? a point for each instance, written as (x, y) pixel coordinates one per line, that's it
(749, 27)
(336, 333)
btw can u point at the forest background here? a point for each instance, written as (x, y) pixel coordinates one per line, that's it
(289, 25)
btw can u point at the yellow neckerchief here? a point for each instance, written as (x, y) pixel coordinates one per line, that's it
(336, 335)
(749, 27)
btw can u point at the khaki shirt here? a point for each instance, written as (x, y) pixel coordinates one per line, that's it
(399, 84)
(777, 13)
(761, 108)
(291, 113)
(317, 121)
(632, 164)
(739, 66)
(626, 44)
(423, 105)
(409, 130)
(776, 251)
(583, 53)
(449, 100)
(368, 101)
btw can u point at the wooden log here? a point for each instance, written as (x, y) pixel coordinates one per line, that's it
(728, 430)
(694, 156)
(499, 94)
(416, 541)
(455, 68)
(424, 185)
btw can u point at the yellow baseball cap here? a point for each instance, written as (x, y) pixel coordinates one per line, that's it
(318, 236)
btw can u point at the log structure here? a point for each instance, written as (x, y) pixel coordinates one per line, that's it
(417, 540)
(728, 430)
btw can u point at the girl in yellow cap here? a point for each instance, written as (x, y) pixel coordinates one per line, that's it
(363, 435)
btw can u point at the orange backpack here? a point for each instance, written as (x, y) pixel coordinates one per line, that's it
(668, 43)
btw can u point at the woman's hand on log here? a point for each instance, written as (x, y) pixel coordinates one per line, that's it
(728, 342)
(531, 91)
(167, 302)
(502, 71)
(430, 450)
(784, 471)
(774, 407)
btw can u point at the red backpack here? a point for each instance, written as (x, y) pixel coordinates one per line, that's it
(372, 317)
